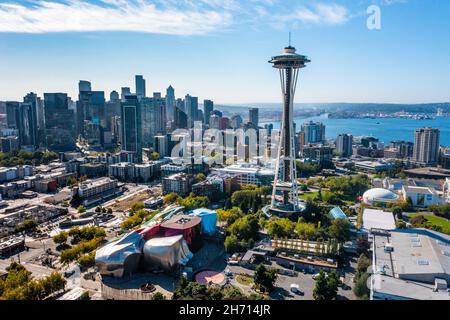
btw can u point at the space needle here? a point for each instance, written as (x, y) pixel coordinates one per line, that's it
(285, 199)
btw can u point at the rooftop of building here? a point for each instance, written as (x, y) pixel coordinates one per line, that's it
(96, 182)
(247, 169)
(181, 222)
(430, 171)
(378, 219)
(418, 190)
(413, 252)
(178, 176)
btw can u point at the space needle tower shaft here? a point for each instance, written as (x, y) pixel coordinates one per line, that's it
(285, 189)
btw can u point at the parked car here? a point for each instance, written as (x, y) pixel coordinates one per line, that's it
(295, 288)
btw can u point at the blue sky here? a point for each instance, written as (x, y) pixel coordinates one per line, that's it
(218, 49)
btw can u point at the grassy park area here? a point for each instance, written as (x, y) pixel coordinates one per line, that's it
(438, 221)
(244, 280)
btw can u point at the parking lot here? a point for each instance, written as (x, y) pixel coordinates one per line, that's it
(305, 282)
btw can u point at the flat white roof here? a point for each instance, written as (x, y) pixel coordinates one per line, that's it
(378, 219)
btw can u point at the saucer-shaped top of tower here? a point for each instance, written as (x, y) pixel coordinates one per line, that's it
(289, 59)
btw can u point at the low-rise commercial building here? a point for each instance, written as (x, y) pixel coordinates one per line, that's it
(421, 196)
(248, 174)
(410, 265)
(92, 191)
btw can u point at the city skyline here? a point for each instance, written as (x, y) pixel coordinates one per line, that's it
(351, 62)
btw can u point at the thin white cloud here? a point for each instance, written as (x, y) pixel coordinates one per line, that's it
(319, 14)
(163, 17)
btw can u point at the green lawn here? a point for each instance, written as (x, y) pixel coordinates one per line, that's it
(441, 222)
(244, 280)
(309, 195)
(305, 196)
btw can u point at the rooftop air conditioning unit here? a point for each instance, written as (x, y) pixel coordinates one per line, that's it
(440, 284)
(388, 247)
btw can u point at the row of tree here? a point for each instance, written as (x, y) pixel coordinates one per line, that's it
(19, 284)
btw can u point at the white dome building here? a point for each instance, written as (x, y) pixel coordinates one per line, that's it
(379, 195)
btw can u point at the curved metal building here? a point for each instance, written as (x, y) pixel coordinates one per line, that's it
(120, 257)
(166, 253)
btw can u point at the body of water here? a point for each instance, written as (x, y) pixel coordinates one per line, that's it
(386, 130)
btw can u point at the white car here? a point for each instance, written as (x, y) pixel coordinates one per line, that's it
(315, 276)
(295, 288)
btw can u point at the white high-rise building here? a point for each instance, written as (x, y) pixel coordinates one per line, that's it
(426, 146)
(344, 144)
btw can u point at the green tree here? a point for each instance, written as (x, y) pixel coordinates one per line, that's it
(280, 228)
(339, 229)
(232, 244)
(360, 288)
(245, 228)
(200, 177)
(27, 226)
(171, 198)
(81, 209)
(155, 156)
(137, 206)
(87, 261)
(397, 212)
(264, 278)
(60, 238)
(158, 296)
(326, 287)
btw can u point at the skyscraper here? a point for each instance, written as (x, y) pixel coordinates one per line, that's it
(124, 91)
(84, 85)
(236, 121)
(426, 146)
(39, 105)
(285, 199)
(208, 107)
(90, 107)
(131, 125)
(253, 116)
(153, 114)
(180, 121)
(170, 103)
(59, 123)
(314, 132)
(12, 114)
(28, 127)
(191, 107)
(114, 96)
(140, 87)
(344, 144)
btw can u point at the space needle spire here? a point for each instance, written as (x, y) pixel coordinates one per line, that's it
(285, 199)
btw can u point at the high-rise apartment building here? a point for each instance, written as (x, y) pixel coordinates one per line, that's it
(405, 149)
(131, 125)
(344, 143)
(426, 146)
(314, 132)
